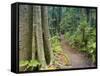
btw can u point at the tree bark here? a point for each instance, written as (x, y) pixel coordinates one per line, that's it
(39, 37)
(25, 32)
(46, 35)
(34, 43)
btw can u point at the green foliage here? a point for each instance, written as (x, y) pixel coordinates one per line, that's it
(33, 63)
(61, 59)
(69, 19)
(91, 45)
(54, 14)
(78, 26)
(84, 39)
(29, 65)
(56, 47)
(23, 63)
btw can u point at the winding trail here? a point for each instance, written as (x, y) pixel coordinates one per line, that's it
(77, 59)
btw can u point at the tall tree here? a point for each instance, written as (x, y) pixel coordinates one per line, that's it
(25, 32)
(39, 37)
(34, 43)
(46, 35)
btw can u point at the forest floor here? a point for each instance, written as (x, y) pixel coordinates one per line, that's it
(77, 59)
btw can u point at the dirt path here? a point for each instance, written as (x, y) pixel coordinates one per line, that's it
(77, 59)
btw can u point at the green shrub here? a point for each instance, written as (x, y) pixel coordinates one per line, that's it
(29, 65)
(55, 42)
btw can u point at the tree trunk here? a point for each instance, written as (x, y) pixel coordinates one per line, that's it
(34, 43)
(25, 32)
(39, 37)
(46, 36)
